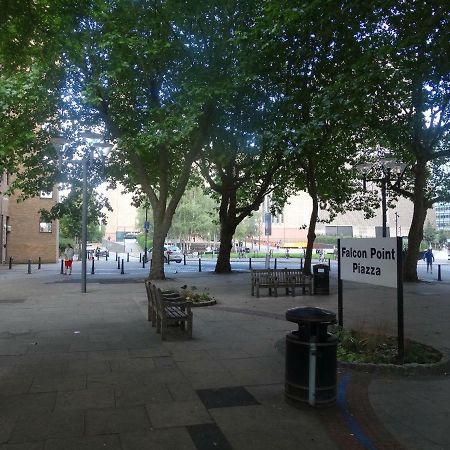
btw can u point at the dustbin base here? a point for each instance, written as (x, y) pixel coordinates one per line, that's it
(297, 369)
(299, 395)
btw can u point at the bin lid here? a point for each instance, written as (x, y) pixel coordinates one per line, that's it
(320, 267)
(310, 314)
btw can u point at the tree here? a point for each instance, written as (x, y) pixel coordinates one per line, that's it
(429, 233)
(402, 84)
(310, 45)
(130, 68)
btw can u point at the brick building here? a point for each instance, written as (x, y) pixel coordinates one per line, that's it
(23, 235)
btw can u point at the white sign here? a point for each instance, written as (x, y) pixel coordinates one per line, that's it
(371, 261)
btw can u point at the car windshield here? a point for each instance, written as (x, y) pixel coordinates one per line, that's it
(173, 248)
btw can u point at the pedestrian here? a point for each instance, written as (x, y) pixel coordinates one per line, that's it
(321, 255)
(68, 259)
(429, 258)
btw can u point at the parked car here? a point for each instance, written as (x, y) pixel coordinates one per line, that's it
(171, 253)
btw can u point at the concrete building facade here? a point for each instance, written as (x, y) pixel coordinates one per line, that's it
(24, 235)
(122, 219)
(290, 228)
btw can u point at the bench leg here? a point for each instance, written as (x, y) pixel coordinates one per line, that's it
(189, 327)
(149, 312)
(163, 329)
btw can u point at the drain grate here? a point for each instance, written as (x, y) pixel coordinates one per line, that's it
(226, 397)
(207, 436)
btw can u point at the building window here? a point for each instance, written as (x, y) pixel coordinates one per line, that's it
(45, 194)
(45, 227)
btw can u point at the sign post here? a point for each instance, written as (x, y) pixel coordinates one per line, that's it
(376, 261)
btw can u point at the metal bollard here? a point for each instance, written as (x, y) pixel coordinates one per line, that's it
(10, 262)
(29, 266)
(106, 256)
(39, 263)
(329, 263)
(439, 273)
(140, 257)
(199, 264)
(168, 258)
(128, 257)
(62, 267)
(250, 263)
(184, 259)
(93, 267)
(275, 263)
(118, 263)
(301, 263)
(116, 256)
(121, 270)
(143, 263)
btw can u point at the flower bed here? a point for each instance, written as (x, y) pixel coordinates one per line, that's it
(359, 346)
(197, 298)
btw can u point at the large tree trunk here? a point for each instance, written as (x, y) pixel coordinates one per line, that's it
(312, 191)
(223, 264)
(311, 233)
(415, 234)
(159, 236)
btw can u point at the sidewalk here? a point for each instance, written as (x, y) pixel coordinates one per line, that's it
(87, 371)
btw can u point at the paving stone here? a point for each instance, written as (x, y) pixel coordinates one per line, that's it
(224, 353)
(163, 361)
(58, 383)
(161, 375)
(88, 367)
(182, 391)
(7, 422)
(191, 355)
(256, 427)
(161, 439)
(24, 446)
(108, 355)
(177, 414)
(120, 420)
(27, 403)
(14, 385)
(140, 395)
(43, 425)
(85, 399)
(112, 380)
(211, 379)
(86, 443)
(132, 364)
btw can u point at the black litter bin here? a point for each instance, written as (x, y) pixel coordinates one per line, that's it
(311, 360)
(321, 279)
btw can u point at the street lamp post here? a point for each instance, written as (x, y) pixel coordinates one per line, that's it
(60, 142)
(386, 166)
(396, 223)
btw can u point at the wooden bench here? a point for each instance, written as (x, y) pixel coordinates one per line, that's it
(296, 278)
(289, 279)
(263, 278)
(151, 300)
(170, 311)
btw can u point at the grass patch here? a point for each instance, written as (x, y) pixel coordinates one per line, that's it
(360, 346)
